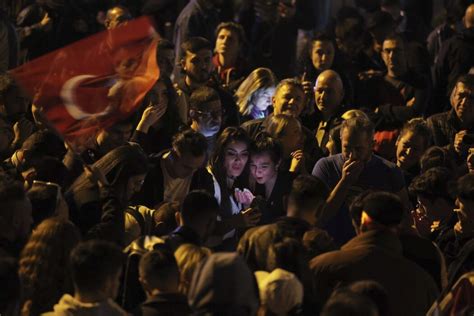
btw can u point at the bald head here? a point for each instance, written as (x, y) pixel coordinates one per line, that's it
(328, 92)
(469, 17)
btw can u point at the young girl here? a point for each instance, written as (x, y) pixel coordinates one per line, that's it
(272, 184)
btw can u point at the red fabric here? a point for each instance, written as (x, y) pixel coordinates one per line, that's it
(95, 82)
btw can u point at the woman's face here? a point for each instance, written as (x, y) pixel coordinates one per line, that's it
(134, 185)
(162, 93)
(236, 157)
(262, 168)
(291, 138)
(322, 55)
(262, 98)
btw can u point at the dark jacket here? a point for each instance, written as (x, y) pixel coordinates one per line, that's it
(376, 255)
(165, 304)
(196, 19)
(275, 204)
(455, 58)
(255, 244)
(151, 193)
(97, 216)
(182, 235)
(444, 127)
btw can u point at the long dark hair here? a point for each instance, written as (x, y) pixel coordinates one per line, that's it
(216, 163)
(118, 166)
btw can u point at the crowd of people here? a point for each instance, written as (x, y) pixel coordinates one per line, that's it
(285, 162)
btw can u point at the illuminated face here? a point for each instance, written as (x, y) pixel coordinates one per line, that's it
(356, 145)
(322, 55)
(410, 148)
(198, 66)
(227, 42)
(208, 120)
(262, 168)
(462, 102)
(289, 100)
(465, 212)
(262, 98)
(236, 157)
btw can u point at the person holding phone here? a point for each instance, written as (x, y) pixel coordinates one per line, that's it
(229, 168)
(271, 184)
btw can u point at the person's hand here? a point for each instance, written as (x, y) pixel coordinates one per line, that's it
(46, 23)
(151, 115)
(22, 129)
(245, 197)
(96, 175)
(458, 141)
(251, 217)
(351, 170)
(287, 9)
(297, 161)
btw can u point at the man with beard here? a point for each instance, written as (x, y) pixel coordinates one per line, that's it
(196, 66)
(206, 114)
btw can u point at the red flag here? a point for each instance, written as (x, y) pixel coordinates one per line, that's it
(95, 82)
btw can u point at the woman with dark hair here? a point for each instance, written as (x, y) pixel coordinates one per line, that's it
(272, 184)
(43, 265)
(228, 166)
(97, 205)
(160, 120)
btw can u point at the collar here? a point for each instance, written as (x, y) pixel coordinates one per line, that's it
(378, 238)
(188, 234)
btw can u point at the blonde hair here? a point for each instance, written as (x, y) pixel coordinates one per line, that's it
(278, 123)
(188, 256)
(258, 79)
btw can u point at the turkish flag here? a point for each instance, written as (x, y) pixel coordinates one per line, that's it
(95, 82)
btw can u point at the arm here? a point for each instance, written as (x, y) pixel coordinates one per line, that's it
(351, 171)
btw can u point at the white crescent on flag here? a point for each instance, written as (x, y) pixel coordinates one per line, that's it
(68, 94)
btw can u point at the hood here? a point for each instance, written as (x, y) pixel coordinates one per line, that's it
(69, 306)
(222, 283)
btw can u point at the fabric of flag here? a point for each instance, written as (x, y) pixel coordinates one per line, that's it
(95, 82)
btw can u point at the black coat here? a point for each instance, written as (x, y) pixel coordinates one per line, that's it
(165, 304)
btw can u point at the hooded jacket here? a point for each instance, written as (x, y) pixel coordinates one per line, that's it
(224, 285)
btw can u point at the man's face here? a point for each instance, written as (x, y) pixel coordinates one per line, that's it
(227, 42)
(166, 61)
(393, 55)
(114, 137)
(208, 119)
(328, 95)
(198, 66)
(322, 55)
(134, 185)
(462, 102)
(186, 164)
(356, 145)
(410, 148)
(289, 100)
